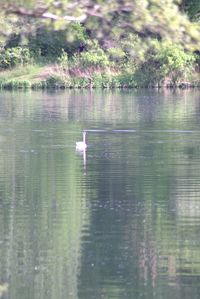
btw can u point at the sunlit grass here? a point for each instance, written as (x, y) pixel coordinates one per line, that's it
(21, 76)
(21, 72)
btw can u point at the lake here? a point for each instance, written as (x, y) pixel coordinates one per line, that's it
(120, 220)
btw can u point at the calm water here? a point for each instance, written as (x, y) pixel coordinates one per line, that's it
(120, 221)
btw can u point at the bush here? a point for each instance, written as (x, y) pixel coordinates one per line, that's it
(78, 82)
(76, 38)
(134, 47)
(102, 80)
(93, 56)
(39, 85)
(175, 62)
(97, 80)
(124, 80)
(164, 61)
(63, 59)
(16, 84)
(116, 54)
(148, 74)
(56, 81)
(89, 59)
(14, 56)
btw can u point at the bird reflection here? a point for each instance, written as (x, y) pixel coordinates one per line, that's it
(84, 159)
(83, 154)
(81, 147)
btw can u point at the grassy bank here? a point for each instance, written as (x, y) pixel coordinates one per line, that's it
(39, 76)
(53, 76)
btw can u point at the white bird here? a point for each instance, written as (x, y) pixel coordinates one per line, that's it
(81, 145)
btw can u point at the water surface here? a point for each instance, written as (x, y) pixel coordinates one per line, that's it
(121, 220)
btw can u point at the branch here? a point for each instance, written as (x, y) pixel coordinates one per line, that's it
(51, 16)
(43, 12)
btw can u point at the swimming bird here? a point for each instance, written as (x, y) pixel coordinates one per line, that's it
(81, 145)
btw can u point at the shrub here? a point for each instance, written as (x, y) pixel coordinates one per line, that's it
(124, 80)
(78, 82)
(39, 85)
(13, 40)
(116, 54)
(14, 56)
(175, 62)
(63, 59)
(134, 47)
(56, 81)
(93, 56)
(113, 81)
(76, 38)
(164, 61)
(106, 80)
(16, 84)
(101, 80)
(97, 80)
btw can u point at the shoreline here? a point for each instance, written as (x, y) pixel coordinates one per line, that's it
(25, 85)
(113, 82)
(54, 76)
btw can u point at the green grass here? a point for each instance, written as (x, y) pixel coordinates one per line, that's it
(27, 76)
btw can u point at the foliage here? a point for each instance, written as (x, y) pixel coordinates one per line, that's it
(14, 40)
(125, 80)
(16, 84)
(93, 56)
(116, 54)
(134, 42)
(56, 81)
(192, 7)
(49, 42)
(164, 60)
(175, 62)
(76, 38)
(102, 80)
(122, 63)
(14, 56)
(78, 82)
(104, 19)
(107, 80)
(63, 59)
(39, 85)
(134, 47)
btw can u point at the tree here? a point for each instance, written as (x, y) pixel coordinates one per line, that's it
(146, 18)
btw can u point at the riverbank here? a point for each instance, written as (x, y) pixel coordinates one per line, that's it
(40, 76)
(162, 64)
